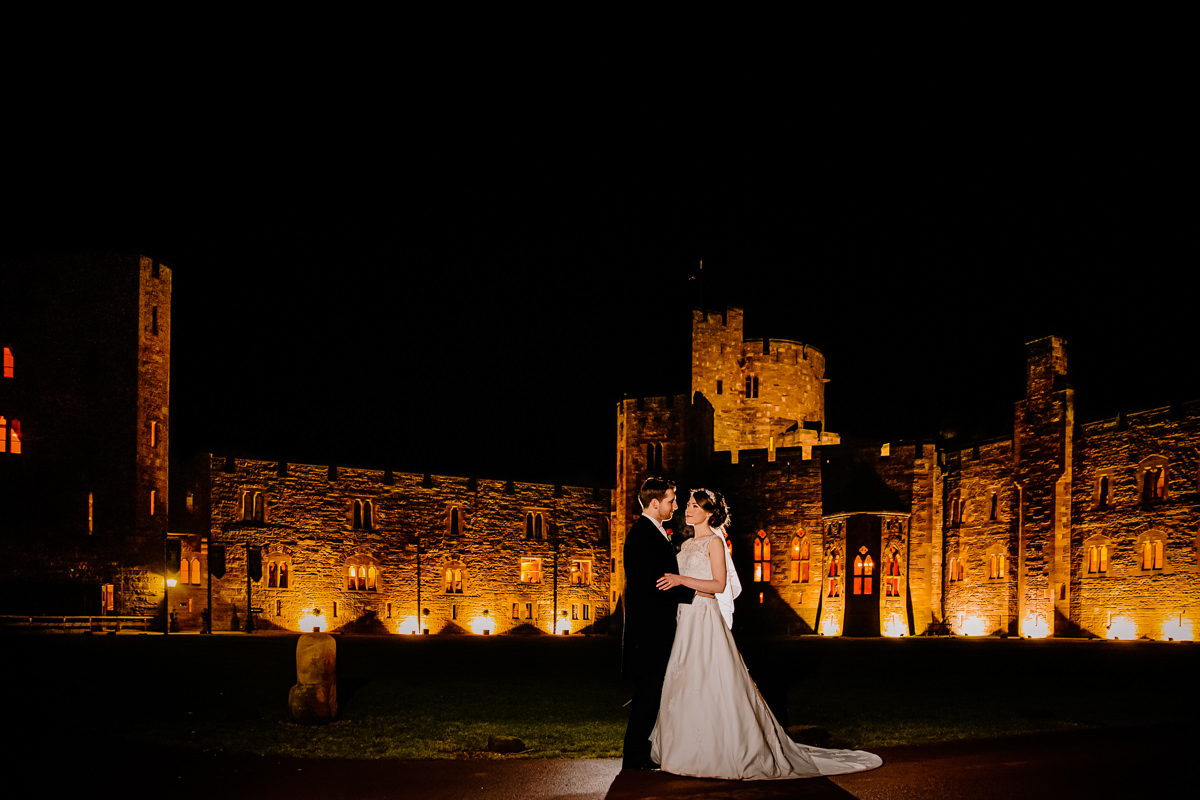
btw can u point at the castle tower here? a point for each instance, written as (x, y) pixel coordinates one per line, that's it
(84, 502)
(765, 393)
(1042, 451)
(669, 437)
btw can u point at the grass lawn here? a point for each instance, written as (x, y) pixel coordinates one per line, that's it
(442, 696)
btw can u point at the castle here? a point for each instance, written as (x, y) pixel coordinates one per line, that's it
(1063, 528)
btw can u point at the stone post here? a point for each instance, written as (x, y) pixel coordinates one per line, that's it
(314, 697)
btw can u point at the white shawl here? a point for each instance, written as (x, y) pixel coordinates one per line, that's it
(733, 586)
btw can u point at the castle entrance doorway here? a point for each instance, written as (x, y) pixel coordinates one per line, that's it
(863, 541)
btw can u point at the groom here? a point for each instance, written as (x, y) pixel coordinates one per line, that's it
(649, 615)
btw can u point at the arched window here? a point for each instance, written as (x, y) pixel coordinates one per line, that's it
(1102, 492)
(454, 580)
(455, 522)
(272, 575)
(799, 559)
(835, 570)
(362, 574)
(283, 575)
(891, 573)
(534, 525)
(863, 568)
(1154, 484)
(762, 558)
(957, 571)
(183, 571)
(1098, 559)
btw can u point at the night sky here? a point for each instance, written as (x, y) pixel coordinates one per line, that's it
(477, 305)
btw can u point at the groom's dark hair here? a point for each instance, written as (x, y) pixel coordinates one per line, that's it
(654, 489)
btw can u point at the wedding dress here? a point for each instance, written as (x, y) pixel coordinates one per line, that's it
(712, 722)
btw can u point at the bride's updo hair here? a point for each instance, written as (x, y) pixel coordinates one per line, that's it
(713, 503)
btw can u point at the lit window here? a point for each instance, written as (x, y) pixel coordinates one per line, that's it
(581, 573)
(587, 611)
(531, 570)
(574, 611)
(835, 587)
(454, 581)
(362, 574)
(799, 559)
(516, 610)
(106, 596)
(183, 571)
(863, 568)
(1152, 554)
(13, 435)
(957, 571)
(196, 571)
(3, 435)
(762, 558)
(153, 499)
(8, 363)
(153, 434)
(997, 568)
(891, 574)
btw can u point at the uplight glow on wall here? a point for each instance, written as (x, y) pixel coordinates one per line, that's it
(313, 620)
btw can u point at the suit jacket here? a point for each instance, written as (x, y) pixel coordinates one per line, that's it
(649, 612)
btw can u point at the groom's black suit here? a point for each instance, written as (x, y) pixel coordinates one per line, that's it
(649, 630)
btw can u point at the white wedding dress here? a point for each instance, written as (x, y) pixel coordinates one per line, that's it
(712, 722)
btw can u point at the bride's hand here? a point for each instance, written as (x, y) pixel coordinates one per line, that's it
(669, 581)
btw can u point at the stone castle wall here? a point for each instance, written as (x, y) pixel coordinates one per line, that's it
(419, 525)
(1111, 508)
(982, 535)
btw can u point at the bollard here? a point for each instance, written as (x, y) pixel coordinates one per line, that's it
(314, 697)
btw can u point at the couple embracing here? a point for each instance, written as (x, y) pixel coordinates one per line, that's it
(695, 709)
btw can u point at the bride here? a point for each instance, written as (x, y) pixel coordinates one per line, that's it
(712, 722)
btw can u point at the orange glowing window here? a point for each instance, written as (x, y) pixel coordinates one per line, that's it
(8, 363)
(891, 573)
(14, 444)
(581, 573)
(762, 558)
(153, 500)
(531, 570)
(106, 596)
(153, 434)
(1152, 554)
(183, 571)
(372, 574)
(863, 567)
(516, 610)
(834, 564)
(196, 570)
(799, 559)
(3, 435)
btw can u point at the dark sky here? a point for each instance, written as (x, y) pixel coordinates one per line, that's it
(476, 298)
